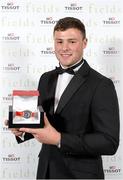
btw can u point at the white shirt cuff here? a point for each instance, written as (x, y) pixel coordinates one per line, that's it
(22, 137)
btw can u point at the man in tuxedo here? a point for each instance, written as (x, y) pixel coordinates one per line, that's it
(81, 120)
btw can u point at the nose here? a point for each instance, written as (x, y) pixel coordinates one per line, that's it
(65, 46)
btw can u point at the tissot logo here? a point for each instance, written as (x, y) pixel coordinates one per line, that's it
(11, 67)
(112, 170)
(11, 158)
(111, 21)
(5, 129)
(10, 37)
(47, 51)
(115, 80)
(9, 6)
(48, 21)
(111, 51)
(7, 98)
(73, 7)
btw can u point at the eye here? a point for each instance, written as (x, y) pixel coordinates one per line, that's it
(72, 41)
(59, 42)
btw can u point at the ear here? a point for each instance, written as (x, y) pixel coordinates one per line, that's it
(85, 40)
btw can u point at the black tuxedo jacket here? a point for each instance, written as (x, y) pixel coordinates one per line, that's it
(87, 117)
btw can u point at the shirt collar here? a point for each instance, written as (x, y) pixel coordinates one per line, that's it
(77, 68)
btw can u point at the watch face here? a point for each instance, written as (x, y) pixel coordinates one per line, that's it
(27, 114)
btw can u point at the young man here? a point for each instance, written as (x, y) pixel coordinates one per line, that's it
(81, 111)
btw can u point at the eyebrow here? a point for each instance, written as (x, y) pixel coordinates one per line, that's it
(66, 39)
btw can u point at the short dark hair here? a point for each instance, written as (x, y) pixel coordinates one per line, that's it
(70, 22)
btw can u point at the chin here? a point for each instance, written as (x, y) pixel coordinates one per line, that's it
(66, 62)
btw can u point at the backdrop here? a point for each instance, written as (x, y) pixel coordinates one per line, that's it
(26, 51)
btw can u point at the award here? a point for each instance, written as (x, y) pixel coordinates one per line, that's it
(24, 111)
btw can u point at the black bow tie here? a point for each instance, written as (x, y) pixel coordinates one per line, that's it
(60, 70)
(70, 70)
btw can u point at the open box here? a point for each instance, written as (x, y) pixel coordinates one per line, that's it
(24, 111)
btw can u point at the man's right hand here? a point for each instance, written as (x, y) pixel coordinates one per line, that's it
(15, 131)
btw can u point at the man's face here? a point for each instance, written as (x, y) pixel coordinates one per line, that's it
(69, 45)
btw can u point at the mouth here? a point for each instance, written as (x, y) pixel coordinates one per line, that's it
(66, 55)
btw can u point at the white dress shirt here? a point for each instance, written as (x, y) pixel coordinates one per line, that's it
(62, 82)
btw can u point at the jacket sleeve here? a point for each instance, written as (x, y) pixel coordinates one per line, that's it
(104, 115)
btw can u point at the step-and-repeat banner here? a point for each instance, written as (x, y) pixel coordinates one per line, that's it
(26, 51)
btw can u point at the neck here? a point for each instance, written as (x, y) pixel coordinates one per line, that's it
(65, 67)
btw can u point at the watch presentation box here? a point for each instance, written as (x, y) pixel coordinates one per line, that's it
(24, 111)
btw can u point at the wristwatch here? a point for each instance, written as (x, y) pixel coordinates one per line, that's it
(26, 114)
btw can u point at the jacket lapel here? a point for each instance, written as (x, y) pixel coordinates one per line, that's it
(74, 84)
(51, 90)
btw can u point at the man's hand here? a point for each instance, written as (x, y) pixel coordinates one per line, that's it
(15, 131)
(47, 135)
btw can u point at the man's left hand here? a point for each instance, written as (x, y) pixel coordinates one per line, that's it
(47, 135)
